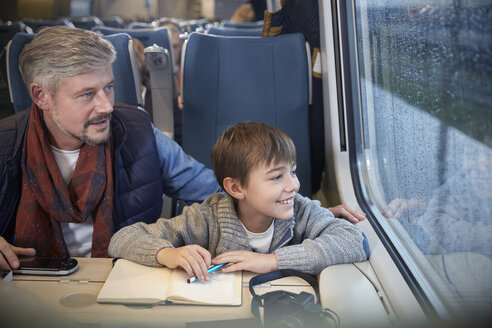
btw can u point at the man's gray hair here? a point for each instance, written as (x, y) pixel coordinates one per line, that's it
(59, 52)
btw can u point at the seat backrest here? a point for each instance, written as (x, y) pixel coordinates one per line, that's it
(36, 24)
(254, 25)
(19, 95)
(8, 30)
(161, 77)
(160, 72)
(148, 36)
(126, 82)
(87, 22)
(227, 80)
(113, 21)
(232, 31)
(139, 25)
(194, 25)
(124, 86)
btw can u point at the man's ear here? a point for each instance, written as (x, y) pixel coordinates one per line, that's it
(40, 96)
(233, 187)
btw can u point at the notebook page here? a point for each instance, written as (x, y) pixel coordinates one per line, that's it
(130, 282)
(222, 289)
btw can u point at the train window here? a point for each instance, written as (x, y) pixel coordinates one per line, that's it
(421, 85)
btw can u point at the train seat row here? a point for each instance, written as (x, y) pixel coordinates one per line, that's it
(122, 68)
(224, 80)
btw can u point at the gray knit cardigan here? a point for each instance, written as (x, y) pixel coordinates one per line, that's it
(310, 241)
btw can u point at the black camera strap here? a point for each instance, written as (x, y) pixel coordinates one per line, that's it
(266, 277)
(303, 300)
(257, 300)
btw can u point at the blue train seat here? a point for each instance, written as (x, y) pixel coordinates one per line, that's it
(253, 25)
(19, 95)
(232, 31)
(87, 22)
(37, 24)
(139, 25)
(194, 25)
(148, 36)
(124, 86)
(227, 80)
(162, 69)
(113, 21)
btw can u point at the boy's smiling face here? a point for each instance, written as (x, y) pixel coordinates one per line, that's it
(268, 193)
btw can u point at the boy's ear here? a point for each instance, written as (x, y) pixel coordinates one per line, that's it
(40, 96)
(233, 187)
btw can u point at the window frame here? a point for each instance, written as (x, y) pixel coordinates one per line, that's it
(348, 83)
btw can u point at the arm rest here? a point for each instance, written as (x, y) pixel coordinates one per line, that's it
(346, 290)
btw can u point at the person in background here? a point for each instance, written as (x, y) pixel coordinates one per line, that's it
(250, 11)
(259, 224)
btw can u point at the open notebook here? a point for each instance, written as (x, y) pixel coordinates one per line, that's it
(132, 283)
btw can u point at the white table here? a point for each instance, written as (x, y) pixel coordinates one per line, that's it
(74, 297)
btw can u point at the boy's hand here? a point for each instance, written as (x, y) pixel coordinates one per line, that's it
(194, 259)
(347, 212)
(246, 260)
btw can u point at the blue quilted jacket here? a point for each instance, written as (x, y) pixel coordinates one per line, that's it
(143, 170)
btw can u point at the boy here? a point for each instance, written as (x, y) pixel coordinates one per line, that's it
(259, 224)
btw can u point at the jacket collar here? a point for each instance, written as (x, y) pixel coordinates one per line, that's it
(118, 131)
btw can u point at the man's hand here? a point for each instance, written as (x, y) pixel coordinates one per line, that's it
(9, 255)
(194, 259)
(347, 212)
(246, 260)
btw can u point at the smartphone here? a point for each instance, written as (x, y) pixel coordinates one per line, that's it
(6, 275)
(47, 266)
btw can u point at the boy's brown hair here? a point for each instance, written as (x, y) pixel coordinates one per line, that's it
(246, 145)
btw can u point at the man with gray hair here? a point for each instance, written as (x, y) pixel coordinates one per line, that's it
(75, 168)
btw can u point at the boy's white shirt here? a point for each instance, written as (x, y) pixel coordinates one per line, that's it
(78, 236)
(260, 241)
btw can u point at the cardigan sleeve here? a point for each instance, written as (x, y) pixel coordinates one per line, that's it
(141, 242)
(321, 240)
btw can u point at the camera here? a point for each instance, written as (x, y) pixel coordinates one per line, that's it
(285, 309)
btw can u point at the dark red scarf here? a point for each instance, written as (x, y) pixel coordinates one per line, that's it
(46, 200)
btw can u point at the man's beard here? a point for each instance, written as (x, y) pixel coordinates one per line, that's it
(84, 138)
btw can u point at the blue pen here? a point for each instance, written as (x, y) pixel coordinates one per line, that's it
(210, 270)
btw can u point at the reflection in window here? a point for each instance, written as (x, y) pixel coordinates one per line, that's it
(425, 78)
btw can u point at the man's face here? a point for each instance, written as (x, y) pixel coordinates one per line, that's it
(81, 110)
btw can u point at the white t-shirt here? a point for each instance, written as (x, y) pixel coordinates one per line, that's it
(78, 236)
(260, 241)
